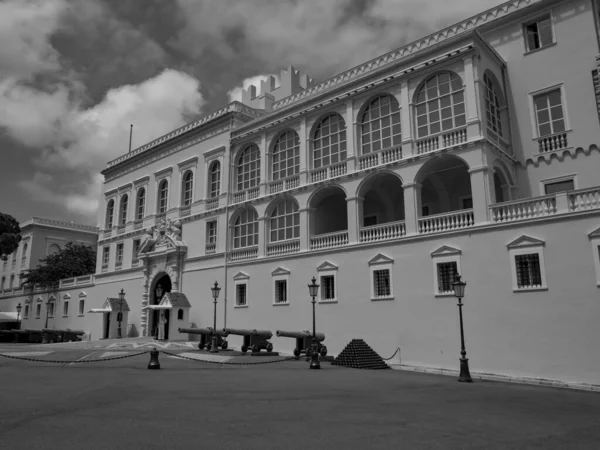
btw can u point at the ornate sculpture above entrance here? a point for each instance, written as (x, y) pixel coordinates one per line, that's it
(165, 235)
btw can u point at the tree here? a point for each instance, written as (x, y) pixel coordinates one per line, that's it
(72, 261)
(10, 235)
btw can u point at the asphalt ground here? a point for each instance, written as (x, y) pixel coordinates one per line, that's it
(120, 404)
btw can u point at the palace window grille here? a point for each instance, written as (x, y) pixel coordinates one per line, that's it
(549, 113)
(539, 33)
(12, 282)
(110, 212)
(281, 291)
(285, 221)
(440, 104)
(141, 203)
(248, 168)
(51, 309)
(38, 311)
(163, 196)
(211, 232)
(26, 315)
(215, 179)
(188, 188)
(327, 287)
(492, 103)
(381, 283)
(529, 274)
(119, 254)
(2, 283)
(105, 256)
(447, 272)
(329, 141)
(559, 186)
(245, 230)
(240, 295)
(286, 155)
(81, 307)
(65, 308)
(123, 212)
(380, 126)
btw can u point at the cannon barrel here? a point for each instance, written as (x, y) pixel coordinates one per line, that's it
(52, 330)
(267, 334)
(208, 330)
(238, 332)
(300, 334)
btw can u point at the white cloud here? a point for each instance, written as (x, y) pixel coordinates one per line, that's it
(235, 94)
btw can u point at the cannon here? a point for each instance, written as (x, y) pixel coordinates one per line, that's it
(206, 335)
(68, 335)
(254, 340)
(304, 342)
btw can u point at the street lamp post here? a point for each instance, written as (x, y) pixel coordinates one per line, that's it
(313, 288)
(215, 293)
(459, 293)
(120, 315)
(19, 314)
(48, 303)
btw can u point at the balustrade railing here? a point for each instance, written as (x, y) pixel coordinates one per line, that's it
(584, 199)
(555, 142)
(185, 211)
(523, 209)
(441, 140)
(382, 232)
(283, 248)
(329, 240)
(332, 171)
(211, 248)
(380, 157)
(447, 221)
(248, 194)
(138, 224)
(121, 229)
(212, 203)
(243, 254)
(284, 184)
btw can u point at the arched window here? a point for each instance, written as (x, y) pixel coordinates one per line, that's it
(380, 124)
(54, 248)
(329, 141)
(110, 213)
(24, 254)
(123, 211)
(492, 106)
(140, 204)
(440, 104)
(285, 221)
(180, 314)
(248, 168)
(245, 230)
(214, 189)
(187, 188)
(286, 155)
(163, 196)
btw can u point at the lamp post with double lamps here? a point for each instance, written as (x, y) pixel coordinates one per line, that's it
(215, 293)
(313, 288)
(19, 307)
(48, 303)
(120, 314)
(459, 293)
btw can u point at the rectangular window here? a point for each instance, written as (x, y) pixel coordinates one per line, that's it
(12, 282)
(81, 307)
(240, 295)
(105, 256)
(26, 313)
(65, 309)
(538, 34)
(549, 113)
(38, 310)
(327, 287)
(3, 282)
(381, 283)
(119, 254)
(211, 232)
(51, 309)
(529, 274)
(559, 186)
(447, 272)
(281, 291)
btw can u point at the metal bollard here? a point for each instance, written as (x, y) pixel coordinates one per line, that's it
(154, 364)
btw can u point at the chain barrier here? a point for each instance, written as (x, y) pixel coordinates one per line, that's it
(73, 362)
(387, 359)
(228, 363)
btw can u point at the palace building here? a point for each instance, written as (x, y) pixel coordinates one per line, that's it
(471, 151)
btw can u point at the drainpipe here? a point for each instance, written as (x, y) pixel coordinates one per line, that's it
(225, 260)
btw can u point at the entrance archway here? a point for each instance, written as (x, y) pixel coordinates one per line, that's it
(160, 286)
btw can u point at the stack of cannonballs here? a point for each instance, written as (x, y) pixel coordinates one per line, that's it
(358, 355)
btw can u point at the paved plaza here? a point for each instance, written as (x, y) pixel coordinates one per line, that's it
(120, 404)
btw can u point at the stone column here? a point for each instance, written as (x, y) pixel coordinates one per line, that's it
(304, 156)
(472, 96)
(353, 219)
(406, 106)
(262, 237)
(412, 203)
(480, 193)
(145, 297)
(305, 214)
(351, 141)
(264, 164)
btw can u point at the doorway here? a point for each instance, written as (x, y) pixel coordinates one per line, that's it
(161, 286)
(106, 325)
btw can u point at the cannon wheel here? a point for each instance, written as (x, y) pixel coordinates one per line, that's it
(308, 352)
(224, 345)
(244, 349)
(269, 347)
(297, 352)
(201, 346)
(208, 345)
(256, 348)
(323, 351)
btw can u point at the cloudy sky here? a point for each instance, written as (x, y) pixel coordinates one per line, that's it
(75, 73)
